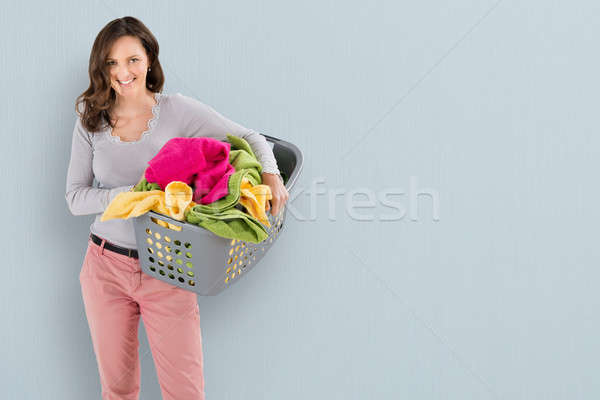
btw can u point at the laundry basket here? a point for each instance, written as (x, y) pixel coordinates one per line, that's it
(195, 259)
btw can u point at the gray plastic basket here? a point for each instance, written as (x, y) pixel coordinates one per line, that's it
(195, 259)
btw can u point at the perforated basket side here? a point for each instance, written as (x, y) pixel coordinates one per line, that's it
(193, 258)
(242, 256)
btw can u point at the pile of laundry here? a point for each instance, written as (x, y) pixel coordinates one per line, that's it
(213, 184)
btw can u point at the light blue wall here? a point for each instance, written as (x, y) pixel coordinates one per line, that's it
(488, 105)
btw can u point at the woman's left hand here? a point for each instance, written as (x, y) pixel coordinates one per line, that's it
(278, 191)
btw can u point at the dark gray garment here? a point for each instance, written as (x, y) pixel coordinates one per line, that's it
(117, 166)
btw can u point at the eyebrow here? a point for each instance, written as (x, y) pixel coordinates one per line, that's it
(135, 55)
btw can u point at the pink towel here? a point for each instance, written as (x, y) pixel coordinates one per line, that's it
(202, 162)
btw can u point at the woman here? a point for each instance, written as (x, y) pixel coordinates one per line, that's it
(124, 120)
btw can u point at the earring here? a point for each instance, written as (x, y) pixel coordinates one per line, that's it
(149, 69)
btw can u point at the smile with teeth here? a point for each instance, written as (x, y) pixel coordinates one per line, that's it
(125, 83)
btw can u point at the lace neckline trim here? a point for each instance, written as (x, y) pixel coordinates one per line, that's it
(150, 126)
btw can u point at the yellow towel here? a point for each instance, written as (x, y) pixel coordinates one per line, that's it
(254, 199)
(177, 198)
(173, 202)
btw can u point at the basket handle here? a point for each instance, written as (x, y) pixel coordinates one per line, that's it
(166, 219)
(299, 158)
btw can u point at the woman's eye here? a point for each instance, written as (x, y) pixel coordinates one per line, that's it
(112, 62)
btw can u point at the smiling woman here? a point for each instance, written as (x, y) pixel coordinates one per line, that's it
(124, 68)
(127, 66)
(124, 119)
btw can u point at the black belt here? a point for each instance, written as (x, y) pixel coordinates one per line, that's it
(112, 247)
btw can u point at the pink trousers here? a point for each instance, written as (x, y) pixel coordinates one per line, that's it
(115, 293)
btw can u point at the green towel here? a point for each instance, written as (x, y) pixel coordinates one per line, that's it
(241, 156)
(231, 224)
(144, 186)
(221, 216)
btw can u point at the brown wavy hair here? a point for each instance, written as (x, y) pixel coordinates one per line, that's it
(99, 97)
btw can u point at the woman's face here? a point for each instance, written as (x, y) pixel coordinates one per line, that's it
(127, 64)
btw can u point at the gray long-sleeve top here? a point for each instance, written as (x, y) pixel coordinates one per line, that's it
(118, 165)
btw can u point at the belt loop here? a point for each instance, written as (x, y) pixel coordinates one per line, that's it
(102, 246)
